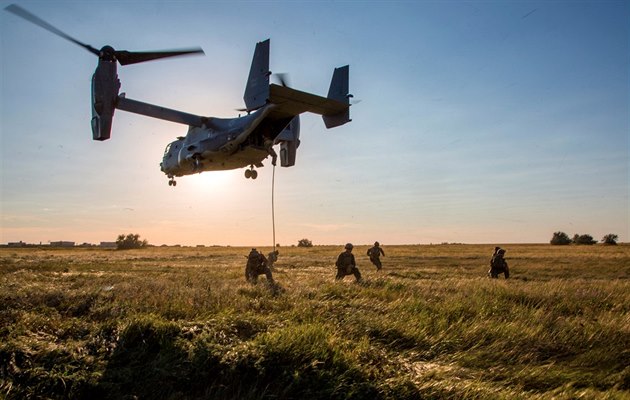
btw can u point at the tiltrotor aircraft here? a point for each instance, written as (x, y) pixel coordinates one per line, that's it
(214, 144)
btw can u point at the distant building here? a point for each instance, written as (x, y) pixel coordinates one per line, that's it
(108, 245)
(62, 243)
(16, 244)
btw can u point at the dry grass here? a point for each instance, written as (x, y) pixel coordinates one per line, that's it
(176, 323)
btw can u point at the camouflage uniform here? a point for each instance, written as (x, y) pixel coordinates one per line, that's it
(375, 253)
(498, 265)
(257, 265)
(346, 265)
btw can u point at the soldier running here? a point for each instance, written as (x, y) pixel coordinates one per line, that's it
(375, 253)
(346, 265)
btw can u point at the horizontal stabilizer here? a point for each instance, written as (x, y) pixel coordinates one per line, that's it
(290, 102)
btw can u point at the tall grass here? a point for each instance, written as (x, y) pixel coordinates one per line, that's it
(165, 323)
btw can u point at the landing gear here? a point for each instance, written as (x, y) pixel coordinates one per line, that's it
(197, 162)
(251, 173)
(171, 181)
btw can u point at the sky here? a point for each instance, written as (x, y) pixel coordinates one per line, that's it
(478, 122)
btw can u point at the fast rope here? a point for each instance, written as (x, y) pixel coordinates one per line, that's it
(273, 215)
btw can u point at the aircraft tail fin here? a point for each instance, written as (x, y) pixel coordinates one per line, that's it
(339, 88)
(257, 89)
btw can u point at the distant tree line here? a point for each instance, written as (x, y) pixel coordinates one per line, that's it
(561, 238)
(133, 241)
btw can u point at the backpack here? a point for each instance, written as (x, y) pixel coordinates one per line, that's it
(497, 262)
(253, 259)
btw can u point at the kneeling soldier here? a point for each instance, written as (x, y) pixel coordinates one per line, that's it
(346, 265)
(498, 265)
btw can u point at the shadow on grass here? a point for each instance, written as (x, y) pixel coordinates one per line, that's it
(155, 360)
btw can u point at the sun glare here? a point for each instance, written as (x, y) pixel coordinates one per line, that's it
(208, 182)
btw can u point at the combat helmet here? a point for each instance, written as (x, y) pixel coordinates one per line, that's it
(348, 246)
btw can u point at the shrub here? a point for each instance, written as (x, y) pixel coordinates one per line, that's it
(130, 241)
(560, 238)
(305, 243)
(583, 239)
(611, 238)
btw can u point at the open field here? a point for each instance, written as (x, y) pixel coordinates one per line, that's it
(171, 323)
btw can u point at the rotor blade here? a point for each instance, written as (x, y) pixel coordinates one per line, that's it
(133, 57)
(20, 12)
(283, 78)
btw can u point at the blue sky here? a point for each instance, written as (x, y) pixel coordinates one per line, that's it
(479, 122)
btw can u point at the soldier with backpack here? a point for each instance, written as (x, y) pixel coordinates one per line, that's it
(257, 265)
(346, 264)
(375, 253)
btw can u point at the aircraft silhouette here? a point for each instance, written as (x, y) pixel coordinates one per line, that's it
(213, 144)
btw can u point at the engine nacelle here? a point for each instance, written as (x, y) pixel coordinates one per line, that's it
(105, 87)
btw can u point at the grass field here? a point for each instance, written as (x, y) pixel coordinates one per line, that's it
(182, 323)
